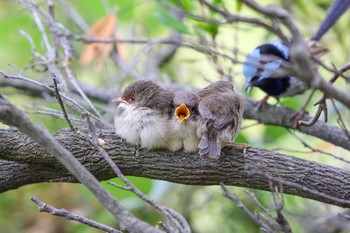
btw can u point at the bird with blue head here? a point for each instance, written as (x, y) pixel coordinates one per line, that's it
(263, 67)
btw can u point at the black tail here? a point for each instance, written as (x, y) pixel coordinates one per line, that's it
(334, 13)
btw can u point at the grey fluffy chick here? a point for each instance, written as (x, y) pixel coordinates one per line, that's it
(143, 113)
(184, 122)
(221, 111)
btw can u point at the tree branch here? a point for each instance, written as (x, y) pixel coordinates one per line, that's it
(281, 116)
(25, 162)
(43, 207)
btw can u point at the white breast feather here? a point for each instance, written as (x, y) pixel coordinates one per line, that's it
(295, 87)
(184, 135)
(144, 127)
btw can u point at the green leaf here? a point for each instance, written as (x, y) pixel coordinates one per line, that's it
(212, 29)
(183, 4)
(187, 4)
(164, 16)
(239, 5)
(217, 3)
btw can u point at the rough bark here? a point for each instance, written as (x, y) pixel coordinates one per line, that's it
(23, 162)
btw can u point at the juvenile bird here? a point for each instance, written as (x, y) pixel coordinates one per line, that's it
(142, 116)
(184, 122)
(260, 65)
(221, 111)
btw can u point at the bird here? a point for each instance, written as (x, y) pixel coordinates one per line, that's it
(184, 122)
(220, 111)
(259, 67)
(143, 114)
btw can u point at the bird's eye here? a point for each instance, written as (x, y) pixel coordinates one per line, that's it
(132, 98)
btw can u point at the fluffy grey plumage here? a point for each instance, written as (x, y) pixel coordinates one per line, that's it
(221, 112)
(142, 116)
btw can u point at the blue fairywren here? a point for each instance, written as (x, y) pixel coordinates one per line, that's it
(260, 66)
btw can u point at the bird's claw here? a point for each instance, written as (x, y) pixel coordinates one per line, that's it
(296, 117)
(244, 147)
(261, 103)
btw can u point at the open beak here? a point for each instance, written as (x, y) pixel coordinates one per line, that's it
(119, 100)
(182, 113)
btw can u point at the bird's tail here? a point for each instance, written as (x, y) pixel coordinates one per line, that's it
(334, 13)
(209, 147)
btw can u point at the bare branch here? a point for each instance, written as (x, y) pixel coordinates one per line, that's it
(234, 198)
(59, 99)
(76, 107)
(43, 207)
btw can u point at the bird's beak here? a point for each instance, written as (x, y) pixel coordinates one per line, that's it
(119, 100)
(182, 112)
(249, 86)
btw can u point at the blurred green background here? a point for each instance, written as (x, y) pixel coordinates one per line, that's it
(205, 208)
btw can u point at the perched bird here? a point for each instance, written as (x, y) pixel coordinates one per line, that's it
(142, 116)
(221, 111)
(184, 122)
(260, 65)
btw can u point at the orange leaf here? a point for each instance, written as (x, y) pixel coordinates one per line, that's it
(99, 52)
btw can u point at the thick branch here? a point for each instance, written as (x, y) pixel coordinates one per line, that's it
(300, 177)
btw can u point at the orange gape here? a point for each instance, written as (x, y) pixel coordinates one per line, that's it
(182, 112)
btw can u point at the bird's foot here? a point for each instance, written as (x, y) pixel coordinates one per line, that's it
(261, 103)
(244, 146)
(296, 117)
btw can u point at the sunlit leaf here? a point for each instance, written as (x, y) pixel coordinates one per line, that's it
(187, 4)
(183, 4)
(239, 5)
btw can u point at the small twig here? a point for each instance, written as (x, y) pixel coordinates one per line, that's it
(322, 102)
(317, 150)
(254, 171)
(258, 203)
(59, 99)
(230, 18)
(79, 109)
(164, 227)
(53, 114)
(278, 200)
(119, 186)
(345, 215)
(340, 119)
(33, 47)
(44, 207)
(240, 205)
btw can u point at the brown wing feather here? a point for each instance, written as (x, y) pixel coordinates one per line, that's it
(219, 111)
